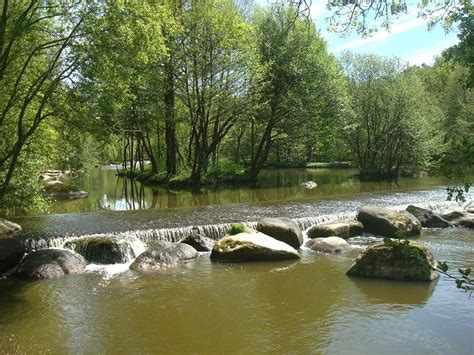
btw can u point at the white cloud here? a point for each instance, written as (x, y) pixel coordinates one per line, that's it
(398, 27)
(426, 54)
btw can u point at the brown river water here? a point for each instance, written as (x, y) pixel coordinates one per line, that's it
(307, 306)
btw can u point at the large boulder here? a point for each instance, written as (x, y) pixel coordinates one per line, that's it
(252, 247)
(11, 252)
(398, 260)
(342, 229)
(332, 245)
(8, 227)
(199, 242)
(102, 249)
(161, 257)
(428, 218)
(386, 222)
(50, 264)
(282, 229)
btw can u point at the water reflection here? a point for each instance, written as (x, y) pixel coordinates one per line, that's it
(108, 192)
(395, 292)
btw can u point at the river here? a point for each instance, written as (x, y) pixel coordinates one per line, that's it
(308, 306)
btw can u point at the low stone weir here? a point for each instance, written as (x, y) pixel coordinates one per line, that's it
(214, 231)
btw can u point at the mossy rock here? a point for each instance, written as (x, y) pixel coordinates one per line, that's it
(397, 260)
(388, 223)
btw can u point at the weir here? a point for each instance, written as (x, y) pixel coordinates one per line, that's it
(214, 231)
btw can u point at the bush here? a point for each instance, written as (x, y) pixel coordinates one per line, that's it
(236, 228)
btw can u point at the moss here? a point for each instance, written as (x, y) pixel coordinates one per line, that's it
(236, 228)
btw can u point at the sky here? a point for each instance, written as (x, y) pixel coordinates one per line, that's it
(408, 39)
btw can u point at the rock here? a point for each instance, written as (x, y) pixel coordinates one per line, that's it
(342, 229)
(252, 247)
(397, 261)
(8, 227)
(309, 185)
(385, 222)
(282, 229)
(199, 242)
(328, 245)
(50, 263)
(102, 249)
(428, 218)
(11, 252)
(454, 216)
(164, 257)
(466, 222)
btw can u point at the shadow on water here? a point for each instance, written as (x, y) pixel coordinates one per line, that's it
(394, 292)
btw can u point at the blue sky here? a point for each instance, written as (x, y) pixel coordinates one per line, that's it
(408, 39)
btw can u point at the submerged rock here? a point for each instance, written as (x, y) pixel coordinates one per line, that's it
(8, 227)
(428, 218)
(282, 229)
(396, 260)
(388, 223)
(50, 263)
(162, 257)
(331, 245)
(102, 249)
(342, 229)
(252, 247)
(199, 242)
(11, 252)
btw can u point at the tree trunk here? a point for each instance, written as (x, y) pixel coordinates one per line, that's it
(170, 127)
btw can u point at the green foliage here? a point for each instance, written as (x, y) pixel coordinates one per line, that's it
(235, 228)
(463, 282)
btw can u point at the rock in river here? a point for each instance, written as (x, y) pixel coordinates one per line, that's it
(11, 252)
(102, 249)
(199, 242)
(428, 218)
(396, 260)
(330, 245)
(388, 223)
(50, 263)
(252, 247)
(342, 229)
(282, 229)
(161, 257)
(467, 222)
(8, 227)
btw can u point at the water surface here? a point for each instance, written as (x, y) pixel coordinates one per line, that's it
(308, 306)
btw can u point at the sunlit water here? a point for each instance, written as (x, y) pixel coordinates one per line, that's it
(308, 306)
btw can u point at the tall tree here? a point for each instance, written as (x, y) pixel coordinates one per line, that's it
(36, 61)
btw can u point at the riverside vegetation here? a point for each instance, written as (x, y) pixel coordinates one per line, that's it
(187, 93)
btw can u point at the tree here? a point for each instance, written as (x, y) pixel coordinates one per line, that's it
(388, 126)
(295, 81)
(212, 57)
(36, 63)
